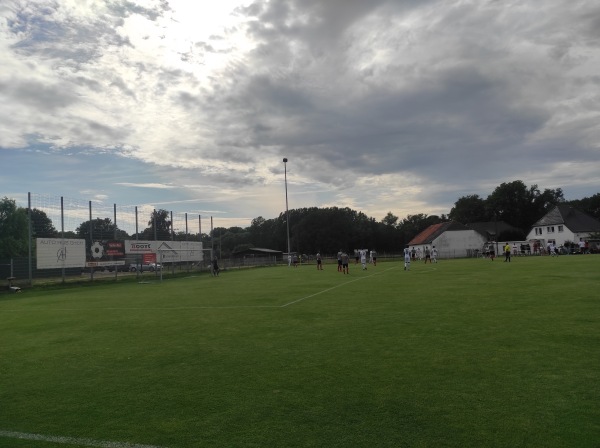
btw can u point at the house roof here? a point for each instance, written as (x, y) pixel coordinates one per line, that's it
(573, 219)
(433, 231)
(490, 228)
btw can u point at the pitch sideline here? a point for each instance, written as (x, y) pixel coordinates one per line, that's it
(212, 307)
(72, 440)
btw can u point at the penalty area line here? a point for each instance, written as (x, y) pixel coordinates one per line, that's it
(72, 440)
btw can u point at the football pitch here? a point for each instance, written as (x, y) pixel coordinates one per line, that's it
(462, 353)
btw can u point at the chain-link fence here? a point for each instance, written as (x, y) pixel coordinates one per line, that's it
(72, 239)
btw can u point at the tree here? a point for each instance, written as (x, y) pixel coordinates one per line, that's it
(41, 225)
(589, 205)
(262, 233)
(226, 240)
(469, 209)
(507, 201)
(14, 230)
(102, 229)
(159, 226)
(412, 225)
(519, 205)
(390, 219)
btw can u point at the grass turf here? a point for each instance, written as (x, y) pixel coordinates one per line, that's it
(461, 353)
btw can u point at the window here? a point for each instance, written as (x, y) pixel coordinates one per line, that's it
(550, 229)
(538, 230)
(561, 228)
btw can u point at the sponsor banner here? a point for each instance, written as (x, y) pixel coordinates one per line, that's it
(54, 253)
(108, 250)
(115, 249)
(167, 251)
(175, 251)
(96, 264)
(140, 247)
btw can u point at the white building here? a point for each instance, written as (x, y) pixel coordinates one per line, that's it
(561, 224)
(451, 239)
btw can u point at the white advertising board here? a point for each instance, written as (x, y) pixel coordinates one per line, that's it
(60, 253)
(167, 251)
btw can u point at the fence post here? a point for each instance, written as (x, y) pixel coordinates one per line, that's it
(115, 238)
(30, 237)
(137, 237)
(62, 234)
(91, 240)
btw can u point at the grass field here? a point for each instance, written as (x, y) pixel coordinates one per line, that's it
(463, 353)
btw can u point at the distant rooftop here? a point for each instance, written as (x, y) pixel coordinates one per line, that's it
(573, 219)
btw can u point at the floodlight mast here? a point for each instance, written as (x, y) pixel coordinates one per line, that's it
(287, 212)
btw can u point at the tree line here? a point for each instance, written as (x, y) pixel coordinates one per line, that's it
(325, 230)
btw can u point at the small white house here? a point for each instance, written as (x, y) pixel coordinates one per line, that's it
(451, 239)
(563, 223)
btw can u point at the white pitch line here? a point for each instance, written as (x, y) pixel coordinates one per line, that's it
(333, 287)
(72, 440)
(154, 308)
(176, 308)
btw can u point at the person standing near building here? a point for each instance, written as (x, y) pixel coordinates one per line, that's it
(427, 255)
(319, 262)
(434, 254)
(507, 252)
(363, 259)
(413, 254)
(407, 257)
(345, 259)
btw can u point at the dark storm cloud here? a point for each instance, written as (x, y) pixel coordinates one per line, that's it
(477, 104)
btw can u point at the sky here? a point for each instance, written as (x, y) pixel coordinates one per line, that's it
(380, 106)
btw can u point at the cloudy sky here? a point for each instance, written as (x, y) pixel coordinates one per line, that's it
(379, 105)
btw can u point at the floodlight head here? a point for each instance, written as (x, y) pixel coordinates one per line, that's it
(285, 160)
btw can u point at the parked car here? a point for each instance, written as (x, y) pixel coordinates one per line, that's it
(120, 268)
(154, 266)
(135, 267)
